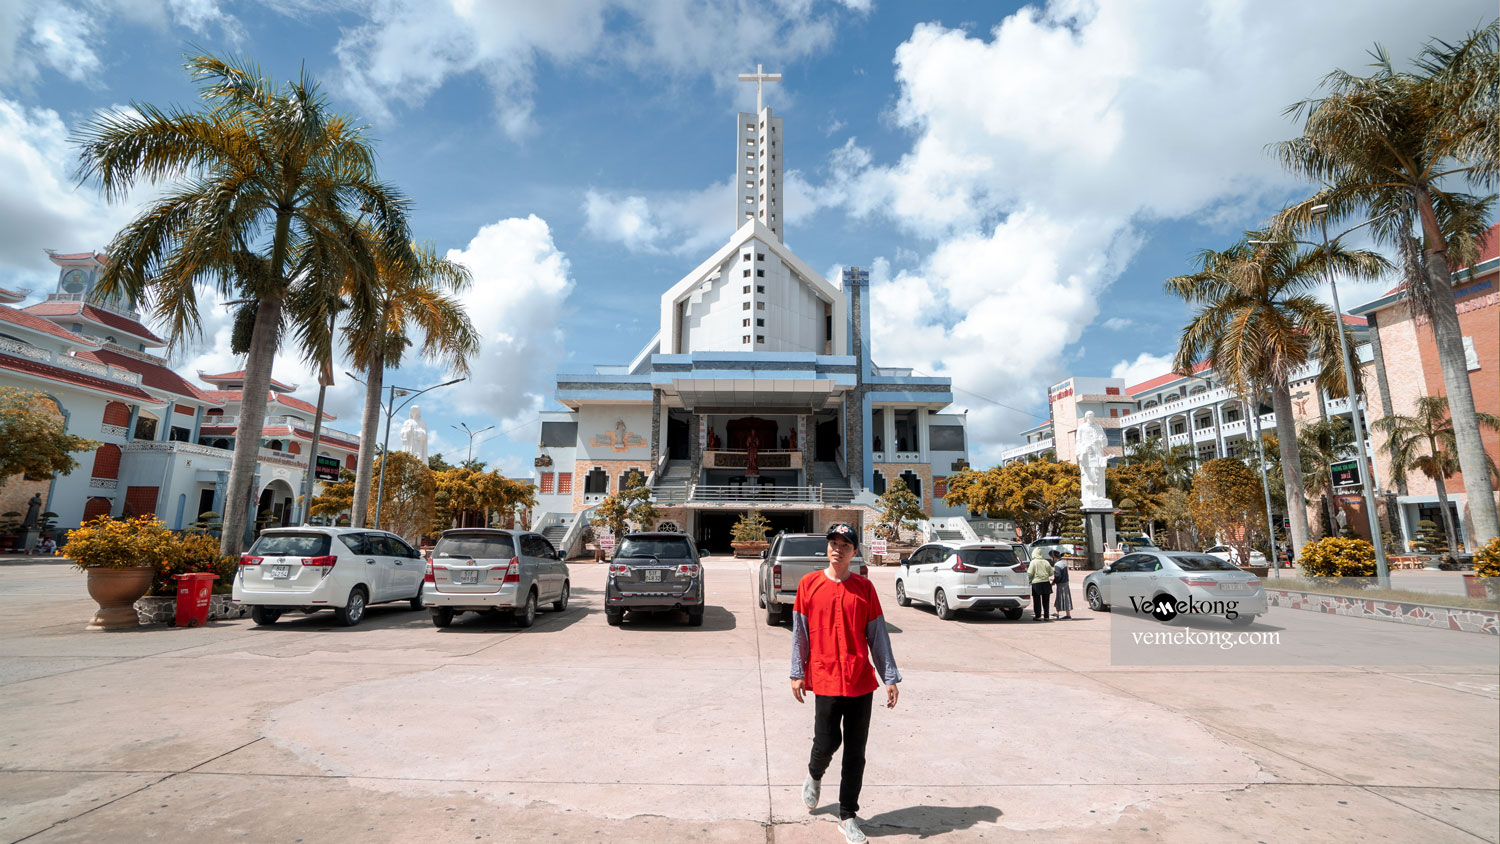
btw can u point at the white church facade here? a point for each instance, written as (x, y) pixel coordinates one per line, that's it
(757, 390)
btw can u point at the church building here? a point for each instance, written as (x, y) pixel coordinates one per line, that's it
(757, 391)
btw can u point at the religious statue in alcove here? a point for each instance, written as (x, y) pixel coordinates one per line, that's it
(752, 454)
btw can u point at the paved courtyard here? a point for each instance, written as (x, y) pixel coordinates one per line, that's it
(574, 731)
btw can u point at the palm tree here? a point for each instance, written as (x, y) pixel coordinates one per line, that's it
(417, 290)
(1426, 442)
(1258, 322)
(1389, 144)
(260, 186)
(1322, 444)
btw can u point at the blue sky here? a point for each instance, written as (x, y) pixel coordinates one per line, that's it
(1020, 179)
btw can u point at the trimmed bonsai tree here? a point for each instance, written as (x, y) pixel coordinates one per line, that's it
(1429, 538)
(1073, 532)
(901, 510)
(751, 528)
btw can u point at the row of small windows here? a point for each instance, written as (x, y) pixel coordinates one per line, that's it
(759, 288)
(760, 323)
(759, 338)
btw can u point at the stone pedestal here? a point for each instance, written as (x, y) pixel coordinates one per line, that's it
(1099, 526)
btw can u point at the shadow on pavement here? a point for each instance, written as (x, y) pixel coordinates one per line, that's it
(714, 618)
(547, 621)
(927, 821)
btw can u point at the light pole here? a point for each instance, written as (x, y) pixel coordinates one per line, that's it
(390, 410)
(1356, 418)
(1265, 484)
(464, 426)
(325, 380)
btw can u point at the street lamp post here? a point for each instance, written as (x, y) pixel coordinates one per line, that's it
(1356, 417)
(1265, 484)
(464, 426)
(390, 410)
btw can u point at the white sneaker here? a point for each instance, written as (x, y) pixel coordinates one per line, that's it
(811, 788)
(852, 833)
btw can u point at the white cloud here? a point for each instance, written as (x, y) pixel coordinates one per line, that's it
(1145, 367)
(1039, 149)
(1118, 323)
(68, 37)
(407, 49)
(64, 38)
(679, 222)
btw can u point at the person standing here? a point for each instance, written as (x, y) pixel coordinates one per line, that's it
(1040, 575)
(1063, 603)
(837, 627)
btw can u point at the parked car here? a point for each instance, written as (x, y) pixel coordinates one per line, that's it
(326, 568)
(783, 565)
(654, 572)
(1219, 586)
(1231, 554)
(1050, 542)
(954, 576)
(494, 570)
(1137, 543)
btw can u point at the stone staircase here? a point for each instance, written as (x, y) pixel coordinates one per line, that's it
(555, 534)
(827, 475)
(943, 535)
(674, 480)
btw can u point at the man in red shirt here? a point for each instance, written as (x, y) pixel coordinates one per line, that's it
(837, 627)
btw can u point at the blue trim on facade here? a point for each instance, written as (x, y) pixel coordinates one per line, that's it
(865, 408)
(604, 395)
(925, 398)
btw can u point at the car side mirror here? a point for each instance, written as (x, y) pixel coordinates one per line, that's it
(562, 555)
(1105, 570)
(765, 554)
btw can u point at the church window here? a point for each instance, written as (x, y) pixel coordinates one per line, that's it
(763, 182)
(745, 339)
(747, 306)
(745, 257)
(546, 483)
(749, 156)
(762, 168)
(773, 216)
(759, 288)
(760, 306)
(760, 256)
(749, 200)
(913, 482)
(749, 183)
(760, 322)
(762, 123)
(760, 273)
(749, 171)
(760, 338)
(762, 197)
(564, 483)
(747, 288)
(747, 273)
(749, 214)
(745, 323)
(750, 126)
(596, 482)
(878, 484)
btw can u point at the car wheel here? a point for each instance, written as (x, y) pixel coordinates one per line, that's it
(614, 617)
(264, 616)
(442, 617)
(902, 599)
(562, 603)
(773, 615)
(526, 616)
(416, 600)
(695, 619)
(1013, 613)
(1096, 600)
(1242, 620)
(351, 613)
(940, 603)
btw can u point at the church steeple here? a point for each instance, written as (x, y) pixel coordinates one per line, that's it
(759, 162)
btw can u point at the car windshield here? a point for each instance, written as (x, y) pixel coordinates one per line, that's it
(490, 547)
(803, 546)
(665, 547)
(1202, 562)
(291, 545)
(988, 557)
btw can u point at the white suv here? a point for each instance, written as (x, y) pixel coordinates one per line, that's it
(955, 576)
(319, 568)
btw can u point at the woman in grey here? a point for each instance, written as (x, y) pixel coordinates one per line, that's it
(1064, 599)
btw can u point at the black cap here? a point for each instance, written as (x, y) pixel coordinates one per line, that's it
(1055, 552)
(845, 533)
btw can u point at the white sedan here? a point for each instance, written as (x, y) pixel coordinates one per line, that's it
(1230, 554)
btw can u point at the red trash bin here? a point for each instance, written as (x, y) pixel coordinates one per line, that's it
(193, 591)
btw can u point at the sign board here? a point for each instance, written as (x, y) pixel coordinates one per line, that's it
(877, 546)
(607, 542)
(327, 468)
(1345, 473)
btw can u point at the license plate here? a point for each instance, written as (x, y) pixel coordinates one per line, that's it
(1232, 587)
(653, 575)
(995, 581)
(468, 577)
(281, 572)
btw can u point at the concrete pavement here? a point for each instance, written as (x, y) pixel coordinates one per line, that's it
(575, 731)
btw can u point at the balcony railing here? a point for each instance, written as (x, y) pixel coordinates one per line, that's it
(66, 361)
(759, 494)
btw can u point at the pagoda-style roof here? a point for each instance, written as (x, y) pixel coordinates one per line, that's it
(104, 318)
(236, 380)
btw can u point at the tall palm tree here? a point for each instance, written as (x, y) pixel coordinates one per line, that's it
(260, 187)
(1390, 144)
(1322, 444)
(1258, 322)
(417, 291)
(1426, 442)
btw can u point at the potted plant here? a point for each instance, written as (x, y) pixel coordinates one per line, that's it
(1486, 574)
(120, 558)
(901, 510)
(749, 535)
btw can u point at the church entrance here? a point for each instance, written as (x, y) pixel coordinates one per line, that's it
(826, 441)
(679, 443)
(715, 529)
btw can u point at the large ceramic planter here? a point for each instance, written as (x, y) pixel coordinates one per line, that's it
(116, 591)
(749, 549)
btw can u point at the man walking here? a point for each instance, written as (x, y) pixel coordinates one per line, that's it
(837, 627)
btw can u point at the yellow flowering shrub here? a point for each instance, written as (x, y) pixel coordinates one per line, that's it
(1487, 559)
(1335, 556)
(193, 553)
(119, 543)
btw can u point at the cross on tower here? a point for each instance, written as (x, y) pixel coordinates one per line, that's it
(758, 78)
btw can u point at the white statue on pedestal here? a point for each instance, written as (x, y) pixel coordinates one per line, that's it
(1089, 445)
(414, 435)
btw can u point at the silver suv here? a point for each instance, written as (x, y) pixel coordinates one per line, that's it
(493, 570)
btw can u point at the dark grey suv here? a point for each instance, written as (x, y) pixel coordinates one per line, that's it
(655, 572)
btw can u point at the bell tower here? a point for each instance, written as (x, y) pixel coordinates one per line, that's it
(759, 162)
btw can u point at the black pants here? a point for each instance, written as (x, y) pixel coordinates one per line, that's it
(1041, 593)
(853, 714)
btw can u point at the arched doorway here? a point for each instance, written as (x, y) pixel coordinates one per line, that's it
(274, 508)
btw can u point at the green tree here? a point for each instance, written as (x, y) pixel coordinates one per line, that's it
(1033, 494)
(258, 192)
(417, 292)
(751, 527)
(1404, 147)
(32, 439)
(631, 504)
(337, 497)
(900, 508)
(468, 496)
(1073, 531)
(437, 464)
(409, 496)
(1320, 445)
(1226, 503)
(1426, 442)
(1258, 320)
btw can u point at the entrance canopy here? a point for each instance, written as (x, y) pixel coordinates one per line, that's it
(789, 394)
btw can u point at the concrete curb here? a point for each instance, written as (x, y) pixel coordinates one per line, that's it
(1464, 619)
